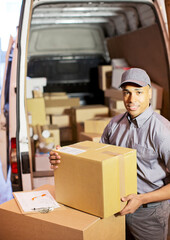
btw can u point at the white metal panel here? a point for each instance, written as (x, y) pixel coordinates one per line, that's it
(23, 137)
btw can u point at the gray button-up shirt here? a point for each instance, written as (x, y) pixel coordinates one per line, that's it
(149, 134)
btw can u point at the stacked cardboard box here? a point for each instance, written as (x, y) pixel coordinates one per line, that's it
(93, 128)
(43, 137)
(119, 65)
(94, 176)
(105, 77)
(62, 224)
(59, 111)
(83, 113)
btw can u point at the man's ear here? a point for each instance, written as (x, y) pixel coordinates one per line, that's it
(150, 93)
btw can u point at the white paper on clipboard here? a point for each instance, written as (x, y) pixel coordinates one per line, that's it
(35, 200)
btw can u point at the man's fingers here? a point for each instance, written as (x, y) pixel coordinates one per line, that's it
(128, 197)
(54, 167)
(53, 162)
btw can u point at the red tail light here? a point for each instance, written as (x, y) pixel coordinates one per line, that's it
(13, 143)
(14, 167)
(13, 157)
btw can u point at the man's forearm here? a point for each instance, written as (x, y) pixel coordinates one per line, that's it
(134, 201)
(157, 195)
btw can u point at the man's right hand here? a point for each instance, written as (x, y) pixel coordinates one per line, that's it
(54, 158)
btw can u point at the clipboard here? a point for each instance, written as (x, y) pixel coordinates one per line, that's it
(35, 201)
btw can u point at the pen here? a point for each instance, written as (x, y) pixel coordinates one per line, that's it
(43, 209)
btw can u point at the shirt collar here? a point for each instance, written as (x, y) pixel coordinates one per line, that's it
(142, 118)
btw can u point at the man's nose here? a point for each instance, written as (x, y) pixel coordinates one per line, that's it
(132, 97)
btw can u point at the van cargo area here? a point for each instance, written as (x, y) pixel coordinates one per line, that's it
(69, 41)
(77, 52)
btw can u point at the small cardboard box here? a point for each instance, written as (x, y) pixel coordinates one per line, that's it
(62, 224)
(55, 95)
(114, 103)
(93, 177)
(119, 67)
(157, 96)
(96, 125)
(82, 113)
(105, 76)
(60, 106)
(114, 93)
(66, 134)
(95, 137)
(55, 133)
(63, 120)
(36, 107)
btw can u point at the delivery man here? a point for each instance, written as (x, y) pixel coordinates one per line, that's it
(140, 128)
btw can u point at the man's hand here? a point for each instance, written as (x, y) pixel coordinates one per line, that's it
(134, 201)
(54, 158)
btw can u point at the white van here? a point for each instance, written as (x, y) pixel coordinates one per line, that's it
(59, 48)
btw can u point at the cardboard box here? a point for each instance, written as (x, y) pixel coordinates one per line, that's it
(119, 66)
(36, 107)
(105, 76)
(94, 176)
(114, 103)
(69, 102)
(37, 93)
(66, 134)
(57, 110)
(62, 224)
(96, 125)
(95, 137)
(48, 119)
(157, 96)
(55, 133)
(114, 93)
(60, 106)
(63, 120)
(55, 95)
(82, 113)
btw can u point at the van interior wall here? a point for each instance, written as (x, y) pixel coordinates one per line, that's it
(144, 48)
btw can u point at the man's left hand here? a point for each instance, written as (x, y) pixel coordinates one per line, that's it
(133, 203)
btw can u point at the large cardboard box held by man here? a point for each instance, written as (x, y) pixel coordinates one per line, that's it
(93, 177)
(63, 223)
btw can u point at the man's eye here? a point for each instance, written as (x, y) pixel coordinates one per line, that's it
(125, 93)
(138, 92)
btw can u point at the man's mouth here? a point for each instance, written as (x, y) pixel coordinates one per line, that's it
(132, 107)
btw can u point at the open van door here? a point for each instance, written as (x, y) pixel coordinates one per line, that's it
(14, 150)
(22, 148)
(4, 115)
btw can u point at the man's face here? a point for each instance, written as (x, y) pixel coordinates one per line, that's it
(136, 99)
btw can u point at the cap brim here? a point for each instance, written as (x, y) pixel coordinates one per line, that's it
(139, 83)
